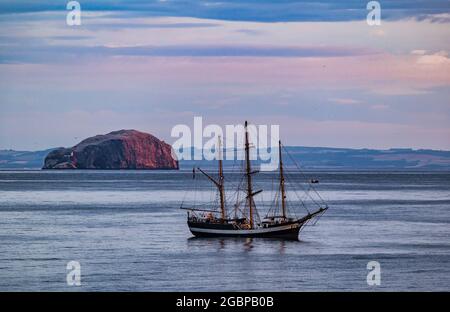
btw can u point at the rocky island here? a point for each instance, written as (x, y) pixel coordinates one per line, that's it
(123, 149)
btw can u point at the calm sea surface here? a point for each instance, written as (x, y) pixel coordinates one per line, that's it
(128, 233)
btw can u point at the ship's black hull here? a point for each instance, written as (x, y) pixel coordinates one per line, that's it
(288, 231)
(286, 234)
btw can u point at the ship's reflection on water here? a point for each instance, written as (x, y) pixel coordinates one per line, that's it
(240, 243)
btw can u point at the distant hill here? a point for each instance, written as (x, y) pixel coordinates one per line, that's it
(398, 158)
(307, 157)
(348, 159)
(10, 159)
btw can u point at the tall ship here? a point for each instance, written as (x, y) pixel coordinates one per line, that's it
(243, 220)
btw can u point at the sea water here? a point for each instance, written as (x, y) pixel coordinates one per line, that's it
(127, 232)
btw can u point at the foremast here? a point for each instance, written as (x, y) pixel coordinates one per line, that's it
(220, 182)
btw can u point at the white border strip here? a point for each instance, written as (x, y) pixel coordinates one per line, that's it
(254, 231)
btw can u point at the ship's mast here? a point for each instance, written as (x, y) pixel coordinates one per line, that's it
(282, 189)
(221, 181)
(249, 176)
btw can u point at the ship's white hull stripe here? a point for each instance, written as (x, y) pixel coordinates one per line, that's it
(254, 231)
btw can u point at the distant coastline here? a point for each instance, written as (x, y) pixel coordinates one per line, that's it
(309, 158)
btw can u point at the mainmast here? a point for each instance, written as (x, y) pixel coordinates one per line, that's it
(249, 176)
(221, 181)
(282, 189)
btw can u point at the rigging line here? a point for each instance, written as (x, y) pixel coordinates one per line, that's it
(301, 172)
(238, 203)
(184, 198)
(289, 205)
(294, 181)
(304, 206)
(312, 199)
(195, 192)
(274, 202)
(291, 208)
(237, 208)
(231, 186)
(310, 185)
(239, 185)
(230, 199)
(312, 188)
(303, 197)
(271, 203)
(318, 218)
(307, 193)
(299, 199)
(317, 193)
(302, 201)
(289, 155)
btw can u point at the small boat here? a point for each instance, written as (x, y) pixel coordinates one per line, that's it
(244, 221)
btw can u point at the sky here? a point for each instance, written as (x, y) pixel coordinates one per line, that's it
(316, 68)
